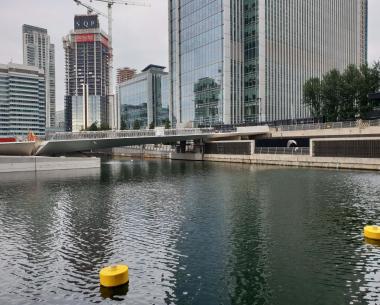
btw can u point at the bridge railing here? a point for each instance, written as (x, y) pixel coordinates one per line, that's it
(86, 135)
(187, 131)
(282, 150)
(332, 125)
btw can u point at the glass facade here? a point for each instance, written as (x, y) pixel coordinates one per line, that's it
(145, 98)
(22, 100)
(134, 103)
(251, 62)
(87, 63)
(91, 111)
(163, 110)
(245, 61)
(201, 57)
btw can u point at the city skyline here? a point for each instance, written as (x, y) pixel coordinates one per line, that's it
(129, 23)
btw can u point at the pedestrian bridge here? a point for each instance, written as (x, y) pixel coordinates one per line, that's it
(69, 142)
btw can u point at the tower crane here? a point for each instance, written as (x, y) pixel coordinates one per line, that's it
(90, 9)
(110, 4)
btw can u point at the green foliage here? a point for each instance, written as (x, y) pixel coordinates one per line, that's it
(151, 125)
(167, 124)
(93, 127)
(104, 126)
(136, 125)
(312, 96)
(342, 96)
(123, 125)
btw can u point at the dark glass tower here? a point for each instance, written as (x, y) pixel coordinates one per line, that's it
(87, 62)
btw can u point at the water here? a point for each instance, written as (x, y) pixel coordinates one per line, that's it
(191, 233)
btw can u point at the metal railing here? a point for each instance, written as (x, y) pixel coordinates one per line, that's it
(152, 147)
(86, 135)
(187, 131)
(332, 125)
(282, 150)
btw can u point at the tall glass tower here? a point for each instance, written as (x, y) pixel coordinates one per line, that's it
(39, 52)
(235, 61)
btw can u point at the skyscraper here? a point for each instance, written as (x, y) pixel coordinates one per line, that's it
(247, 60)
(22, 100)
(39, 52)
(87, 63)
(144, 98)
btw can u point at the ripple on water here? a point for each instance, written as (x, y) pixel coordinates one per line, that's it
(191, 233)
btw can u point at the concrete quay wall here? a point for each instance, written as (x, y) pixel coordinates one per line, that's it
(10, 164)
(299, 161)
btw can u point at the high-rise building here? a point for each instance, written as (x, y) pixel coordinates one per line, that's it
(22, 100)
(60, 119)
(87, 54)
(144, 99)
(39, 52)
(124, 74)
(236, 61)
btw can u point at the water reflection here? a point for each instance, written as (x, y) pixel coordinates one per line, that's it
(116, 293)
(191, 233)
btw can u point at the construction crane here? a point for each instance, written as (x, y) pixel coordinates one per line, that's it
(110, 4)
(90, 9)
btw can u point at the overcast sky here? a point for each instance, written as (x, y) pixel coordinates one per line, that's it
(140, 33)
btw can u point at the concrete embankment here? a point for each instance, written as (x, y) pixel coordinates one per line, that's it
(10, 164)
(298, 161)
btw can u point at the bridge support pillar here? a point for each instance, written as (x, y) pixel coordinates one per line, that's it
(182, 146)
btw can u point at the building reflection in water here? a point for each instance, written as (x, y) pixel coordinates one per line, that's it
(207, 102)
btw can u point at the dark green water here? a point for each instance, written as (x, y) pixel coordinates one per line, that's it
(191, 233)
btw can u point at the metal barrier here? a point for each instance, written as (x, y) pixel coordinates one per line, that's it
(84, 135)
(332, 125)
(188, 131)
(282, 150)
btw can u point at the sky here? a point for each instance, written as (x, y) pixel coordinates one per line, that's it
(140, 34)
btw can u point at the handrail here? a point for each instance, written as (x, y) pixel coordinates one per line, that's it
(330, 125)
(282, 150)
(86, 135)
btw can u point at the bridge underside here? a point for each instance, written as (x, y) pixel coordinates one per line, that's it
(69, 146)
(94, 141)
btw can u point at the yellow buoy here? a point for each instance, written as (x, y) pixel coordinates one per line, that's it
(114, 276)
(372, 232)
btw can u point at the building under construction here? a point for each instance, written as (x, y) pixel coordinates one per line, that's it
(87, 55)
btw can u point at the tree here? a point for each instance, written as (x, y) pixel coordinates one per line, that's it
(93, 127)
(151, 125)
(342, 96)
(167, 124)
(123, 125)
(370, 84)
(351, 80)
(312, 96)
(331, 88)
(136, 125)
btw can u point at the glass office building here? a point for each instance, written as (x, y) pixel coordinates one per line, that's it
(144, 99)
(22, 100)
(87, 54)
(247, 60)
